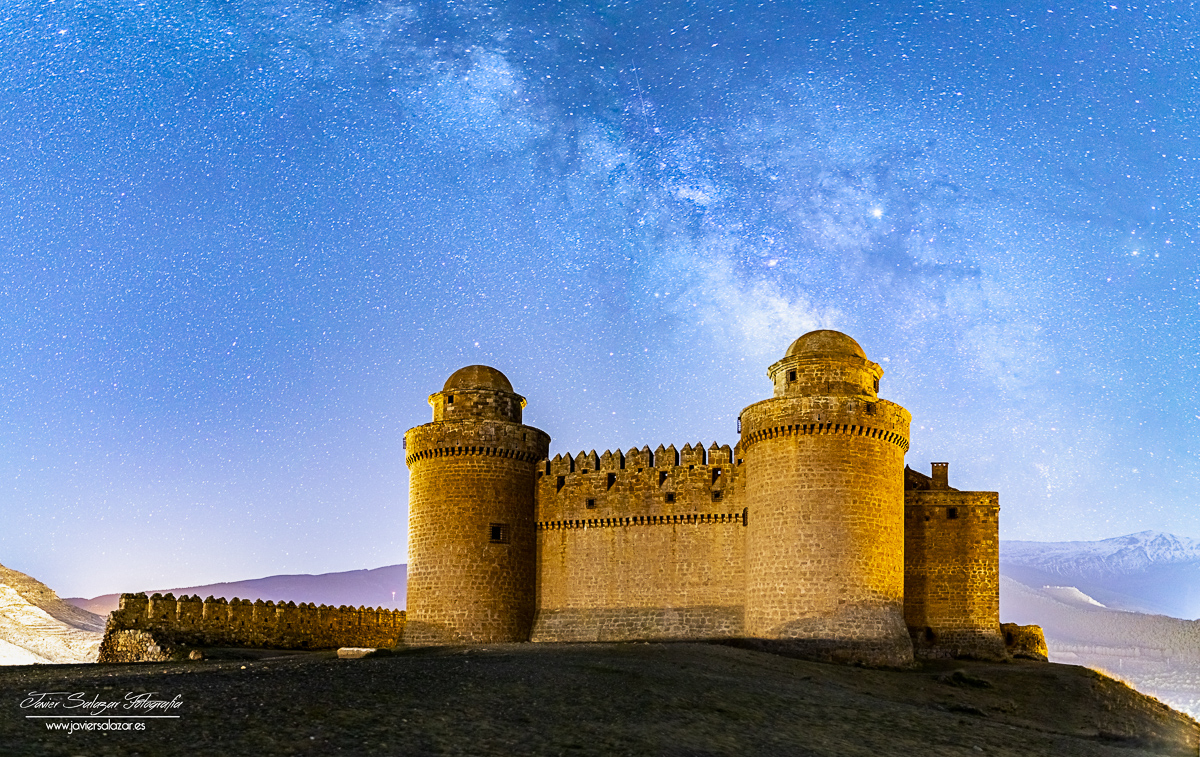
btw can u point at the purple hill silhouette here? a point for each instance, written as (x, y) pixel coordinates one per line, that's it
(369, 588)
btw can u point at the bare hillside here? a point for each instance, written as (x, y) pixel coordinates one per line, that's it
(38, 627)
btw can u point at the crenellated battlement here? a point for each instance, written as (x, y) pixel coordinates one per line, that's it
(663, 457)
(213, 622)
(637, 483)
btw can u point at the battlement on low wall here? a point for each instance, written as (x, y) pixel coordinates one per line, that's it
(190, 621)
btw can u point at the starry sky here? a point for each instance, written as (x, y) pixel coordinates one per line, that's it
(241, 241)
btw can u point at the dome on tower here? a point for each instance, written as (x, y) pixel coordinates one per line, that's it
(479, 377)
(825, 343)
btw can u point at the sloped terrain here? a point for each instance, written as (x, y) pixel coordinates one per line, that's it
(604, 699)
(1157, 654)
(38, 627)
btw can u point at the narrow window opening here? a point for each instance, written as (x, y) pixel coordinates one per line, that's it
(499, 533)
(951, 513)
(612, 479)
(591, 504)
(745, 515)
(691, 467)
(561, 481)
(716, 474)
(450, 399)
(662, 477)
(670, 497)
(791, 375)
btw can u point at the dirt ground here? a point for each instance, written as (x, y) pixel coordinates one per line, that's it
(682, 699)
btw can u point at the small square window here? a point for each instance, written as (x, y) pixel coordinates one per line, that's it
(591, 504)
(716, 495)
(791, 375)
(670, 497)
(499, 533)
(951, 512)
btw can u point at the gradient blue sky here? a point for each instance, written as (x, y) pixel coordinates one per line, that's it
(241, 242)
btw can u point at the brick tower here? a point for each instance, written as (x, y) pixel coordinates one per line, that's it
(824, 478)
(471, 530)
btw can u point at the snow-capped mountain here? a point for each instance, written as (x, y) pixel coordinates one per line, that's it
(1149, 571)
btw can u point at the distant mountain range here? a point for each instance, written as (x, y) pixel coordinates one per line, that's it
(379, 587)
(1150, 571)
(1124, 605)
(38, 627)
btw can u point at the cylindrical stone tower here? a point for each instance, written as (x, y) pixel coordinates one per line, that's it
(824, 477)
(472, 542)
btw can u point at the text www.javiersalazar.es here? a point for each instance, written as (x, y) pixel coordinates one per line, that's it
(93, 725)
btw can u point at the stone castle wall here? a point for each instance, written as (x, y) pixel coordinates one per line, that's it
(188, 621)
(640, 545)
(472, 534)
(796, 537)
(952, 573)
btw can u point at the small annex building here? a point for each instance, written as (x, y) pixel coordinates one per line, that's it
(809, 532)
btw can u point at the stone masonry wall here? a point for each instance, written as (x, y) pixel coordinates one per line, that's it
(825, 539)
(188, 621)
(640, 545)
(472, 543)
(952, 575)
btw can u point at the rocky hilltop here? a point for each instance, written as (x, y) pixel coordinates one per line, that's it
(38, 627)
(671, 699)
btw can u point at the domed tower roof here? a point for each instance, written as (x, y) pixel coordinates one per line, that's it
(825, 342)
(478, 377)
(826, 363)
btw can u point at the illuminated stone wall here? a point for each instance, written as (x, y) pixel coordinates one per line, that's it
(190, 622)
(952, 570)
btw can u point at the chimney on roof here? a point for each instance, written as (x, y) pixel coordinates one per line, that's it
(941, 476)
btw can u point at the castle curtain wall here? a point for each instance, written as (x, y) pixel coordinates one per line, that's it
(640, 546)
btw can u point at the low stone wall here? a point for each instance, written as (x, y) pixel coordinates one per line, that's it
(164, 623)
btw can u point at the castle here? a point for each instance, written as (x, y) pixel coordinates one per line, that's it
(809, 533)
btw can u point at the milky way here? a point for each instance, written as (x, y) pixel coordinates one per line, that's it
(240, 243)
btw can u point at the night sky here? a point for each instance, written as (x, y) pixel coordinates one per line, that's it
(241, 242)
